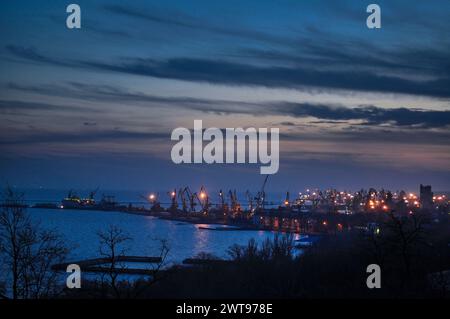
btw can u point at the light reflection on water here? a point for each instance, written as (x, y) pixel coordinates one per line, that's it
(201, 239)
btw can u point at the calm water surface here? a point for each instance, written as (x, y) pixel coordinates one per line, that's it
(185, 240)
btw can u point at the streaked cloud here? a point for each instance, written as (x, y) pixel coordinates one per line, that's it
(230, 73)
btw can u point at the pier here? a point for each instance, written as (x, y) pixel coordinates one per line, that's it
(95, 265)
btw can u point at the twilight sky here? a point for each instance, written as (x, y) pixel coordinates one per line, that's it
(96, 106)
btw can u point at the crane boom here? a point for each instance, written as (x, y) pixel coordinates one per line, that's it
(261, 194)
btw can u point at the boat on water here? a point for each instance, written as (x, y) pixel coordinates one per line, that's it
(73, 201)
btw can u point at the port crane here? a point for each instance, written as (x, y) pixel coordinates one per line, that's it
(92, 193)
(203, 200)
(250, 199)
(173, 198)
(235, 206)
(191, 197)
(181, 195)
(260, 197)
(286, 201)
(153, 199)
(90, 199)
(223, 204)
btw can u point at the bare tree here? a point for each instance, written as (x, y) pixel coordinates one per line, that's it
(48, 249)
(164, 251)
(14, 225)
(27, 251)
(404, 236)
(111, 247)
(156, 269)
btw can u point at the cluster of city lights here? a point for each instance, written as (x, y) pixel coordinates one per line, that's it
(370, 200)
(152, 197)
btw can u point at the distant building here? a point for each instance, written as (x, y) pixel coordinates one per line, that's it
(426, 197)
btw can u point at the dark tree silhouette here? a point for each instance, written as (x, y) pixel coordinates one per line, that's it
(27, 251)
(111, 247)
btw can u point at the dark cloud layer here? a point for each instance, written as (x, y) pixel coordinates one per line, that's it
(224, 72)
(231, 73)
(7, 106)
(31, 54)
(369, 115)
(83, 137)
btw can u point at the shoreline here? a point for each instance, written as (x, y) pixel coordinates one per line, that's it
(195, 220)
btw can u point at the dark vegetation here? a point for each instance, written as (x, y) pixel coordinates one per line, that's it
(27, 253)
(407, 249)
